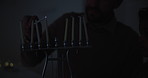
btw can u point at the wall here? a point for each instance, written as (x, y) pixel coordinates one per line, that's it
(128, 12)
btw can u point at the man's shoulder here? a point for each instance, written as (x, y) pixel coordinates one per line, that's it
(125, 30)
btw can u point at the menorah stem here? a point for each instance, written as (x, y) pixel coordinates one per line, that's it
(45, 65)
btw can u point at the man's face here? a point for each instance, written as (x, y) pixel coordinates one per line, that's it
(143, 27)
(99, 9)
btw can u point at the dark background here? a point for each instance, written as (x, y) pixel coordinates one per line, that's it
(13, 10)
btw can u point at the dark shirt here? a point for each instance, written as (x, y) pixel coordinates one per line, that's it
(114, 50)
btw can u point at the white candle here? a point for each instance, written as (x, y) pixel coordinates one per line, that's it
(80, 29)
(72, 28)
(66, 26)
(38, 36)
(21, 31)
(32, 28)
(46, 30)
(85, 28)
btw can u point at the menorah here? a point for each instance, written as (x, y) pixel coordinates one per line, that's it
(43, 47)
(46, 45)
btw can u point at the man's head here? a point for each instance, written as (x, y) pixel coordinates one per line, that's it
(100, 9)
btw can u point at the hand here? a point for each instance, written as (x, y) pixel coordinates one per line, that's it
(27, 22)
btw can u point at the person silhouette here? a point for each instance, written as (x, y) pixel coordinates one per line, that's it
(115, 50)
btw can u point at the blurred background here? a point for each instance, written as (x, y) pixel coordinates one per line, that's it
(12, 12)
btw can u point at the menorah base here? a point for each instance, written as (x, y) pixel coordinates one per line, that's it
(28, 47)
